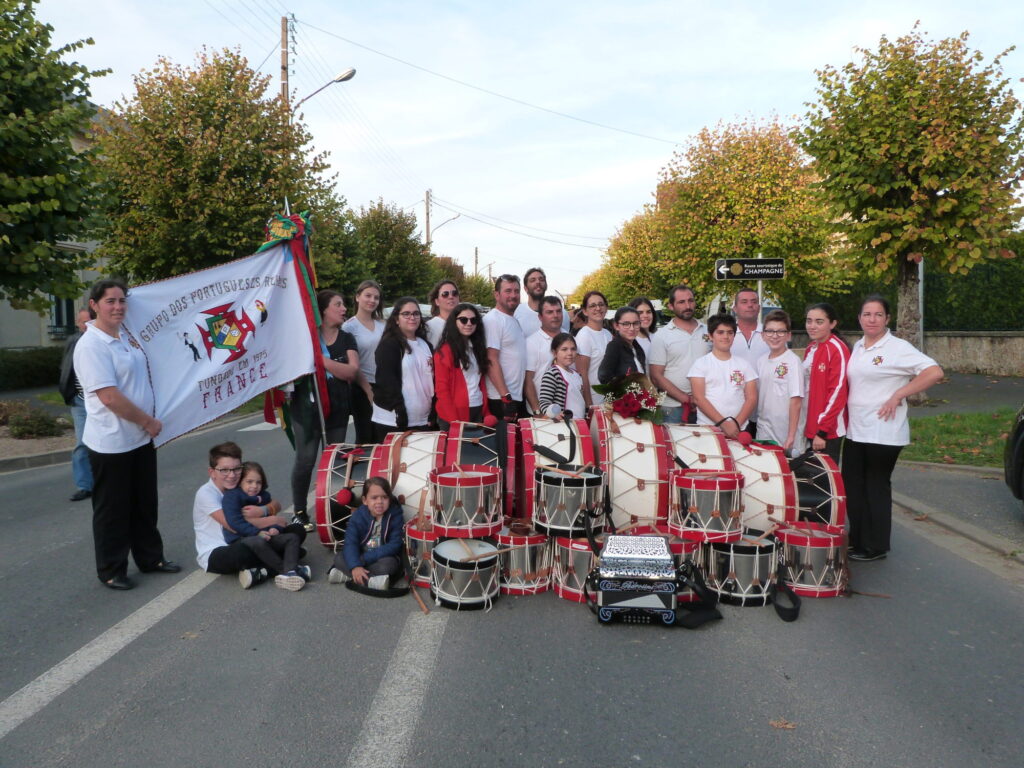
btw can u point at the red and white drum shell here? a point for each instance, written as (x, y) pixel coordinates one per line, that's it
(472, 443)
(705, 506)
(769, 486)
(464, 575)
(419, 544)
(467, 500)
(339, 488)
(570, 439)
(683, 551)
(742, 573)
(573, 560)
(564, 498)
(635, 456)
(700, 447)
(821, 494)
(813, 560)
(406, 460)
(525, 569)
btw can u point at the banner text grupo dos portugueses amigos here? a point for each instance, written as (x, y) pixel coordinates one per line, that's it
(217, 338)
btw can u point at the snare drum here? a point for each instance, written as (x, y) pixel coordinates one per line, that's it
(705, 506)
(769, 486)
(465, 573)
(526, 569)
(742, 573)
(820, 491)
(635, 456)
(569, 439)
(573, 561)
(564, 498)
(339, 486)
(700, 447)
(467, 500)
(814, 560)
(406, 461)
(471, 443)
(419, 543)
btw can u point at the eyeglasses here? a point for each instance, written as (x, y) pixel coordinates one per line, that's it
(448, 294)
(774, 333)
(466, 320)
(409, 315)
(635, 324)
(597, 305)
(225, 471)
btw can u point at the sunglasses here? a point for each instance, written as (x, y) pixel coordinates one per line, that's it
(448, 294)
(466, 320)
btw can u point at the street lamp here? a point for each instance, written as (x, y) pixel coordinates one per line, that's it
(348, 74)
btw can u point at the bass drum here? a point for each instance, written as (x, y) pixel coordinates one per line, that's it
(471, 443)
(405, 459)
(769, 486)
(820, 491)
(339, 489)
(570, 440)
(635, 456)
(700, 447)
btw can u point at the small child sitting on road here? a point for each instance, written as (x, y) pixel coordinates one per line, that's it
(276, 548)
(372, 554)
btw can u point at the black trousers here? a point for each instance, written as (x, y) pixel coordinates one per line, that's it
(867, 475)
(307, 450)
(278, 554)
(384, 566)
(362, 411)
(124, 511)
(236, 556)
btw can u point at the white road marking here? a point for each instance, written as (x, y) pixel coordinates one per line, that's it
(23, 704)
(400, 696)
(260, 427)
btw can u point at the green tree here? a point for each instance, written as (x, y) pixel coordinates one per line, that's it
(919, 147)
(46, 186)
(339, 262)
(633, 261)
(385, 235)
(196, 160)
(737, 191)
(478, 290)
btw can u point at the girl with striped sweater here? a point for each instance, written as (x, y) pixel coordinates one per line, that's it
(561, 388)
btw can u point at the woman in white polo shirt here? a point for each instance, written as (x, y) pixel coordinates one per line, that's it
(591, 342)
(404, 390)
(119, 431)
(883, 371)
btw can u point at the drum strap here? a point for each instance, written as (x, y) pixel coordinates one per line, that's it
(396, 450)
(696, 614)
(790, 611)
(389, 592)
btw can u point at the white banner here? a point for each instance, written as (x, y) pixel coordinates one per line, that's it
(217, 338)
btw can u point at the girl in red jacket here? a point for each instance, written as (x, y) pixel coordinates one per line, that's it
(460, 368)
(825, 362)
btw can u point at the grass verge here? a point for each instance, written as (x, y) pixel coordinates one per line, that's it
(976, 439)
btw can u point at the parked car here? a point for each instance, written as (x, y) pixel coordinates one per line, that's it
(1013, 456)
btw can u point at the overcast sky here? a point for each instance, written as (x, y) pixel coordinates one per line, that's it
(662, 70)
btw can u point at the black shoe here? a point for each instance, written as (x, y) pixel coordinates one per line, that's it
(303, 519)
(866, 555)
(119, 582)
(80, 494)
(164, 566)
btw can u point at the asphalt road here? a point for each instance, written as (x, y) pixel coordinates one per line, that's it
(192, 670)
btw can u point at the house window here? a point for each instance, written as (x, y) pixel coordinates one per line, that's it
(62, 318)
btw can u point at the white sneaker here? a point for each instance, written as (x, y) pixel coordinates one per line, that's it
(337, 576)
(378, 582)
(250, 577)
(291, 581)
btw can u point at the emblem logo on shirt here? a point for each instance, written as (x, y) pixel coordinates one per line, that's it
(877, 360)
(737, 378)
(706, 338)
(781, 370)
(821, 367)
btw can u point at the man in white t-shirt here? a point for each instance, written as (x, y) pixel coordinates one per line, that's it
(535, 283)
(749, 344)
(209, 523)
(538, 349)
(674, 349)
(506, 351)
(724, 385)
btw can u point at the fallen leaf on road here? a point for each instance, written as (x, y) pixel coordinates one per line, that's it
(190, 636)
(781, 724)
(921, 517)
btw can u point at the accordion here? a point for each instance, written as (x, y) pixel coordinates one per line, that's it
(636, 580)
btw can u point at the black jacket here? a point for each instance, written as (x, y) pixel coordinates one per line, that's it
(618, 360)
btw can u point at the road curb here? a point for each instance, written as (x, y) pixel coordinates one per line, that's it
(916, 508)
(965, 468)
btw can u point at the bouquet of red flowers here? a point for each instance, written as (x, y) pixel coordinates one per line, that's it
(633, 397)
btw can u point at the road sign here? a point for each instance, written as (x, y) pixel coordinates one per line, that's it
(750, 269)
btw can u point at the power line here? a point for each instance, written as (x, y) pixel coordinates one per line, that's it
(233, 23)
(463, 210)
(489, 92)
(270, 53)
(517, 232)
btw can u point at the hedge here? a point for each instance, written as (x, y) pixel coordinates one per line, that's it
(29, 368)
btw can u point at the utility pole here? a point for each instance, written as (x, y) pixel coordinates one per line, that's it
(284, 59)
(427, 228)
(476, 260)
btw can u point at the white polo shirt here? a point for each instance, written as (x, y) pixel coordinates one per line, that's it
(678, 349)
(506, 335)
(724, 384)
(435, 327)
(529, 320)
(875, 373)
(209, 533)
(538, 355)
(366, 342)
(750, 350)
(104, 361)
(779, 379)
(593, 344)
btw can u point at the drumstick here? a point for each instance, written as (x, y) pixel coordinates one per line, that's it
(420, 517)
(482, 555)
(465, 546)
(416, 594)
(563, 472)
